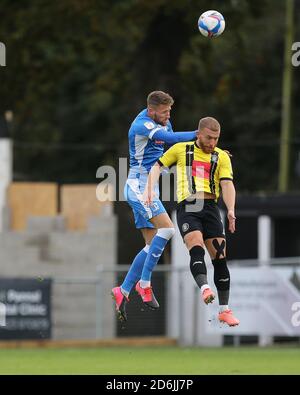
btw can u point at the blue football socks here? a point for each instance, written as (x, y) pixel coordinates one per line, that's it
(135, 271)
(157, 247)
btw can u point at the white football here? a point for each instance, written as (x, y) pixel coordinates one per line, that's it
(211, 23)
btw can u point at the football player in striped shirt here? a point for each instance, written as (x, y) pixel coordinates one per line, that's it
(203, 170)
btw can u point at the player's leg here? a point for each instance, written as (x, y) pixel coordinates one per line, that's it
(165, 230)
(149, 219)
(121, 293)
(148, 234)
(217, 251)
(216, 247)
(135, 271)
(190, 227)
(195, 245)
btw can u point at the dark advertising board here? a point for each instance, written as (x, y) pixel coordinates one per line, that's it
(25, 308)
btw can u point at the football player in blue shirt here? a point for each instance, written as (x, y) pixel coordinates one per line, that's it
(147, 135)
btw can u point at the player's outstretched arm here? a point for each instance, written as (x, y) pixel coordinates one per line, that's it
(149, 193)
(173, 138)
(228, 193)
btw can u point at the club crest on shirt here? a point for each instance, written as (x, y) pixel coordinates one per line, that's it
(214, 157)
(149, 125)
(185, 227)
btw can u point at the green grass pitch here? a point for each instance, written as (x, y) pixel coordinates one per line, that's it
(151, 360)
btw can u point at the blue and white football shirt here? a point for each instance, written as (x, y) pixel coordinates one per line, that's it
(144, 149)
(146, 146)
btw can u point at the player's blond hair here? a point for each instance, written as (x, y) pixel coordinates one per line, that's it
(157, 98)
(210, 123)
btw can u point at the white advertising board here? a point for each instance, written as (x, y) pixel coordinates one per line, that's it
(265, 299)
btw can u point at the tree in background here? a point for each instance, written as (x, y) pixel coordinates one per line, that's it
(78, 71)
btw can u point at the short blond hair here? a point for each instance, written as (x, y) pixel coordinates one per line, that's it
(157, 98)
(210, 123)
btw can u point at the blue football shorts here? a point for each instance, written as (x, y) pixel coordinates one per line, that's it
(133, 192)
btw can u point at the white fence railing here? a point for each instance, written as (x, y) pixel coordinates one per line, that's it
(266, 298)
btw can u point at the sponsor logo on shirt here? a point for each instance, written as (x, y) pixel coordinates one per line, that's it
(149, 125)
(201, 169)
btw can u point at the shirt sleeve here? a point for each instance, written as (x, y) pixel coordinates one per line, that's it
(147, 129)
(225, 172)
(169, 157)
(173, 138)
(153, 131)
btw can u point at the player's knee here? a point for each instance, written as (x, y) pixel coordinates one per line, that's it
(197, 252)
(165, 233)
(193, 239)
(146, 248)
(221, 274)
(219, 248)
(197, 263)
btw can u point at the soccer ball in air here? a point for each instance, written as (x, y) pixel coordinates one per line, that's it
(211, 23)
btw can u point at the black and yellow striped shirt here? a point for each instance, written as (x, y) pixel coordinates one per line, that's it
(196, 170)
